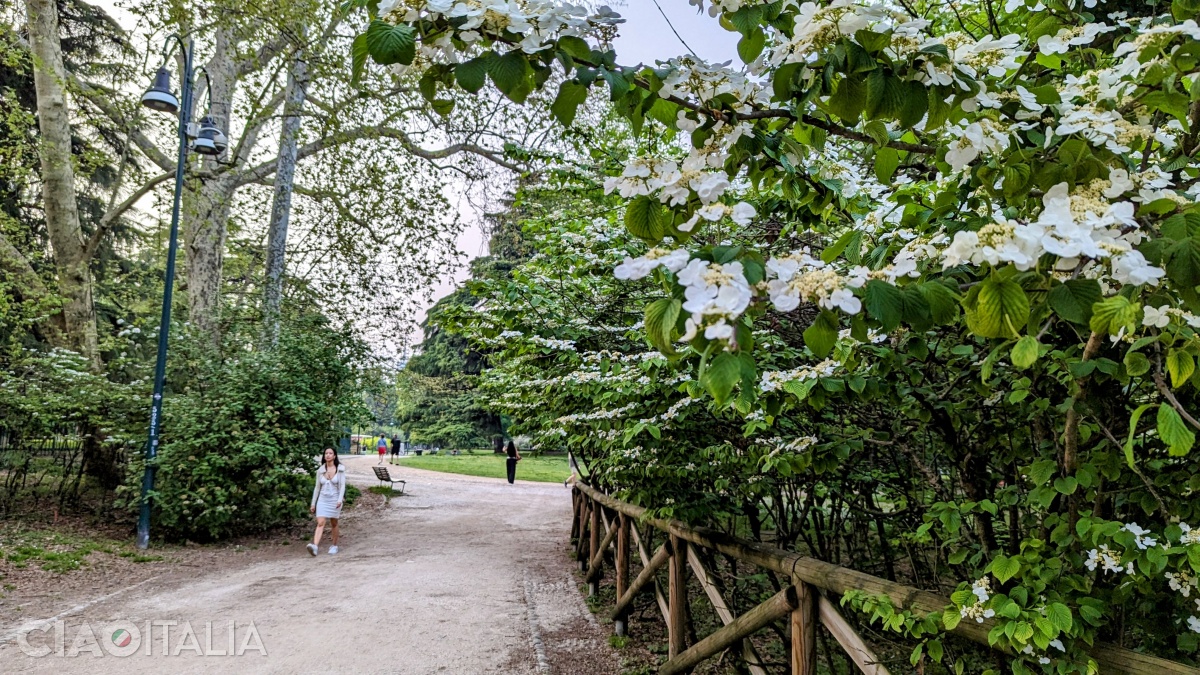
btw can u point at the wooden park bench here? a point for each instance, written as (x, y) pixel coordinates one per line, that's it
(381, 473)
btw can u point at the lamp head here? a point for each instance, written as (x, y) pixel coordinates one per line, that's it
(206, 141)
(159, 96)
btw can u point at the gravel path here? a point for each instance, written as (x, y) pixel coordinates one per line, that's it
(461, 575)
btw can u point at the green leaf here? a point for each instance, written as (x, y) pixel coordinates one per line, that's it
(1183, 262)
(914, 105)
(1025, 352)
(750, 46)
(661, 316)
(575, 47)
(1073, 300)
(1005, 568)
(358, 58)
(1060, 615)
(1110, 315)
(1180, 365)
(570, 96)
(878, 132)
(943, 306)
(1136, 364)
(831, 253)
(722, 373)
(951, 618)
(1174, 431)
(999, 308)
(885, 96)
(442, 106)
(885, 303)
(644, 218)
(1041, 471)
(509, 73)
(822, 335)
(848, 100)
(1133, 423)
(388, 44)
(872, 41)
(886, 162)
(472, 75)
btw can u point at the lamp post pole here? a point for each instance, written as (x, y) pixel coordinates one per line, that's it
(164, 327)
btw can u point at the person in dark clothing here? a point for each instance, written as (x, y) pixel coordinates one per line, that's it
(514, 456)
(395, 447)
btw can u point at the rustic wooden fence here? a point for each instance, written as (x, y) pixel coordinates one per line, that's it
(602, 524)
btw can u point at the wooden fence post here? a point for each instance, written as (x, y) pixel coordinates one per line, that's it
(622, 566)
(581, 543)
(804, 630)
(677, 598)
(594, 546)
(575, 495)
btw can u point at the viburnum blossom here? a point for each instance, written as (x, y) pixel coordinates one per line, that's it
(637, 268)
(800, 277)
(714, 294)
(1108, 560)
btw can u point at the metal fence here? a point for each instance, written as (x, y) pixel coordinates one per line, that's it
(65, 466)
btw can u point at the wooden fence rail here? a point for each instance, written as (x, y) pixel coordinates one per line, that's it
(804, 602)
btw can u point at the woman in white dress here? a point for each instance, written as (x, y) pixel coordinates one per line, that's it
(327, 499)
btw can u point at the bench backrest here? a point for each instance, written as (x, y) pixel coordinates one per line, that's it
(381, 473)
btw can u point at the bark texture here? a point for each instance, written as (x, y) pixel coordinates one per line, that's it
(281, 205)
(58, 180)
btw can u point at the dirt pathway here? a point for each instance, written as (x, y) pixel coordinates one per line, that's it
(462, 575)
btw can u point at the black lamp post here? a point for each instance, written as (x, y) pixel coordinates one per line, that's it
(208, 141)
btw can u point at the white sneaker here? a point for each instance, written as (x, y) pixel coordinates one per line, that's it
(332, 550)
(312, 548)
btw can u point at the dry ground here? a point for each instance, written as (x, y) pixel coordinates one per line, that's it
(461, 575)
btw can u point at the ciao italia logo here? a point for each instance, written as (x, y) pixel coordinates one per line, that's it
(149, 638)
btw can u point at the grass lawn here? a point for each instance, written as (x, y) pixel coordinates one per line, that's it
(541, 469)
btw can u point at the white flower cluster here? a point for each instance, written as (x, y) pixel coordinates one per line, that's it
(541, 23)
(773, 380)
(1183, 582)
(1190, 535)
(637, 268)
(800, 277)
(1070, 227)
(1140, 538)
(598, 415)
(982, 589)
(715, 294)
(701, 174)
(561, 345)
(797, 444)
(1108, 560)
(671, 413)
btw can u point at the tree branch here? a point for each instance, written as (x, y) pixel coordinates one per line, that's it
(261, 171)
(107, 220)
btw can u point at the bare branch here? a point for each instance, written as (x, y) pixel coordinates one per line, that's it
(107, 220)
(258, 173)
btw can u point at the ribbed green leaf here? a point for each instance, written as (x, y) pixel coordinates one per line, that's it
(388, 44)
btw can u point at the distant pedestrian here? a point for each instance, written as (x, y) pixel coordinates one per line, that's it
(575, 475)
(395, 447)
(514, 456)
(327, 498)
(382, 448)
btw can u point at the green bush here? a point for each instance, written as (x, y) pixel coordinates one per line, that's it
(241, 440)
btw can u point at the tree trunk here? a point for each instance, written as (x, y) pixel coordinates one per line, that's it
(208, 201)
(58, 180)
(281, 206)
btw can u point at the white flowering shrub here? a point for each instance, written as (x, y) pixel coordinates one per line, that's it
(957, 245)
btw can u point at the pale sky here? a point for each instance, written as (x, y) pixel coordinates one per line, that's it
(645, 37)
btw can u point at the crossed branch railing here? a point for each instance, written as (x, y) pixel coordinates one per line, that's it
(602, 523)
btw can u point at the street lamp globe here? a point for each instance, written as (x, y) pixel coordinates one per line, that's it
(159, 96)
(206, 141)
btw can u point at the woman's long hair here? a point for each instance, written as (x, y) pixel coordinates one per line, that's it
(512, 448)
